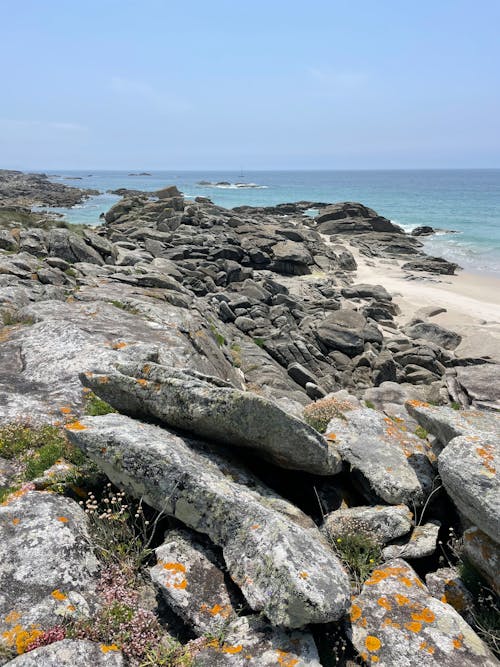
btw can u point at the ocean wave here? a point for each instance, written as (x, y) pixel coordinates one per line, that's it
(223, 185)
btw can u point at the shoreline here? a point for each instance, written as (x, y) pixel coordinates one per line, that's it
(472, 301)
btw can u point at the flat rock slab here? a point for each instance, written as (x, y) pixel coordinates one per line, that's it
(470, 461)
(192, 584)
(281, 563)
(392, 464)
(205, 408)
(71, 653)
(250, 642)
(382, 522)
(395, 621)
(422, 543)
(47, 567)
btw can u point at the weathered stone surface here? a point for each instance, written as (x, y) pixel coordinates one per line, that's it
(192, 584)
(434, 333)
(422, 543)
(481, 384)
(395, 621)
(252, 642)
(71, 653)
(383, 523)
(224, 414)
(278, 559)
(445, 585)
(484, 554)
(391, 464)
(47, 566)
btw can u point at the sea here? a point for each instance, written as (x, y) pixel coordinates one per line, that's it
(463, 204)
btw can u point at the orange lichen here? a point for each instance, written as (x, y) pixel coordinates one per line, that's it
(142, 382)
(384, 602)
(373, 643)
(424, 646)
(457, 643)
(104, 379)
(232, 649)
(175, 569)
(16, 521)
(285, 660)
(119, 346)
(62, 519)
(331, 436)
(355, 613)
(15, 495)
(58, 595)
(12, 617)
(418, 404)
(146, 368)
(76, 426)
(413, 626)
(425, 615)
(401, 599)
(388, 622)
(487, 455)
(71, 607)
(254, 526)
(303, 575)
(20, 638)
(65, 410)
(106, 648)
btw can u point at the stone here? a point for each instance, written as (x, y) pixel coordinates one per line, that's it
(389, 463)
(445, 585)
(292, 258)
(422, 543)
(484, 554)
(395, 621)
(434, 333)
(251, 642)
(382, 523)
(481, 383)
(272, 551)
(224, 414)
(47, 566)
(71, 653)
(192, 584)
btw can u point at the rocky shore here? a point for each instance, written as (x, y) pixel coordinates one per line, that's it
(21, 189)
(219, 447)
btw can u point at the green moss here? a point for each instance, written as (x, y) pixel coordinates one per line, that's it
(95, 406)
(219, 338)
(11, 319)
(124, 306)
(421, 432)
(370, 404)
(259, 341)
(455, 406)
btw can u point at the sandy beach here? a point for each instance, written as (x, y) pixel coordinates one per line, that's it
(472, 301)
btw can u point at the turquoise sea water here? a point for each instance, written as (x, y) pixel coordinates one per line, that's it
(466, 201)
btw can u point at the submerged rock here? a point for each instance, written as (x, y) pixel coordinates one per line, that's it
(280, 561)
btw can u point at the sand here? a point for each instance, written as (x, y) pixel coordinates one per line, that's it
(472, 301)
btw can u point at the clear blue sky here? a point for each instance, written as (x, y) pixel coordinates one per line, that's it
(255, 84)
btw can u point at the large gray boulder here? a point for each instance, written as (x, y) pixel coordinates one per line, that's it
(200, 405)
(71, 653)
(383, 522)
(434, 333)
(272, 551)
(395, 621)
(47, 566)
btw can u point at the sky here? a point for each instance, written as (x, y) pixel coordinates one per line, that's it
(222, 84)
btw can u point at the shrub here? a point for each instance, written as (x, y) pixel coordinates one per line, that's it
(360, 553)
(319, 414)
(421, 432)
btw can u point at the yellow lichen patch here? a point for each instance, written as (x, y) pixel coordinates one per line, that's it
(58, 595)
(413, 626)
(285, 659)
(65, 410)
(119, 346)
(142, 382)
(62, 519)
(76, 426)
(373, 643)
(355, 613)
(384, 602)
(487, 455)
(457, 643)
(232, 649)
(20, 639)
(12, 617)
(425, 615)
(107, 648)
(71, 608)
(303, 575)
